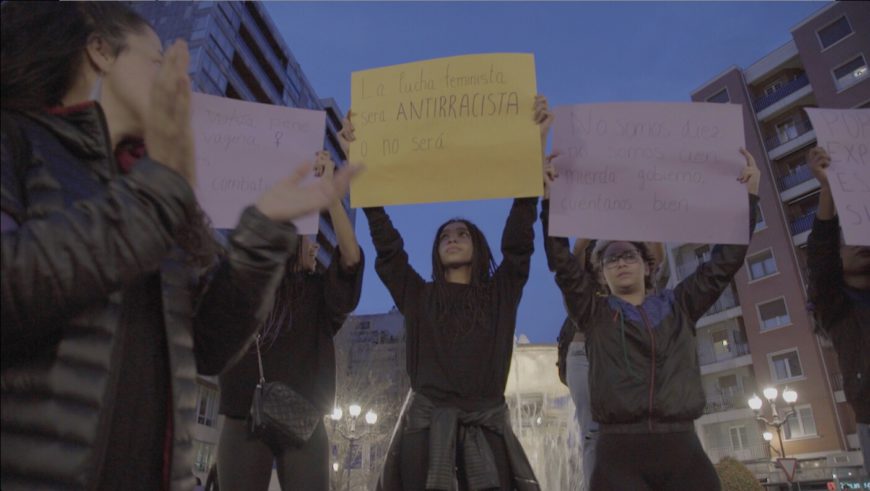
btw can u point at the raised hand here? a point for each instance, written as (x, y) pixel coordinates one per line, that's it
(543, 117)
(168, 133)
(750, 175)
(288, 199)
(550, 173)
(324, 166)
(819, 163)
(346, 135)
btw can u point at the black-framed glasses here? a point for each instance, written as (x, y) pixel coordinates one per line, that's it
(628, 257)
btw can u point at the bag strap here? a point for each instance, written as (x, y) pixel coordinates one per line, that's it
(260, 362)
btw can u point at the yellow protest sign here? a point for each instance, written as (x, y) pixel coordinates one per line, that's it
(449, 129)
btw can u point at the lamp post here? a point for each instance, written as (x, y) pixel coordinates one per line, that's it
(348, 429)
(776, 420)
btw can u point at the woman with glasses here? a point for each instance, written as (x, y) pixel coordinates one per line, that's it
(644, 380)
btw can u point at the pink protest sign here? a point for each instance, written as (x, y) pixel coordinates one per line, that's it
(845, 134)
(664, 172)
(243, 148)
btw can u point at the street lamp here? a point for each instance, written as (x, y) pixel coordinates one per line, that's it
(348, 430)
(776, 420)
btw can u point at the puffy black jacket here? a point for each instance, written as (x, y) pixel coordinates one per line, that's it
(644, 374)
(80, 234)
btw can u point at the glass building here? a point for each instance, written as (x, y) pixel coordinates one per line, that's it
(236, 51)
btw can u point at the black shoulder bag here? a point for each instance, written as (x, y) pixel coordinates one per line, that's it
(280, 415)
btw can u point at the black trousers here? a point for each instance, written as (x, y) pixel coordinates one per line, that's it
(653, 462)
(245, 462)
(414, 461)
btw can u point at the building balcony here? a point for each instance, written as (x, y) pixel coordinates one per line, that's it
(797, 183)
(786, 90)
(260, 38)
(724, 400)
(803, 223)
(799, 175)
(837, 381)
(707, 355)
(728, 363)
(745, 454)
(794, 138)
(260, 75)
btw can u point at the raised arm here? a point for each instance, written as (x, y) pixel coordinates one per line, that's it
(823, 248)
(240, 293)
(700, 290)
(342, 290)
(392, 264)
(577, 285)
(518, 241)
(344, 233)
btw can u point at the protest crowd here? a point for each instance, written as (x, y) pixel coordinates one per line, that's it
(122, 279)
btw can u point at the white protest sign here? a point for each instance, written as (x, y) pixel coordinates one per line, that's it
(845, 134)
(664, 172)
(243, 148)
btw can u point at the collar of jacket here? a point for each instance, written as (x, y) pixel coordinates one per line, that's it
(656, 305)
(82, 129)
(449, 426)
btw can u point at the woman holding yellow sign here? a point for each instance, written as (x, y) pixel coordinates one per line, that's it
(460, 329)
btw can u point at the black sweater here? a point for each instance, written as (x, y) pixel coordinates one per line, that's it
(302, 355)
(468, 371)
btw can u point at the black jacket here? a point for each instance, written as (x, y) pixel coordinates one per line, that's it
(82, 235)
(644, 374)
(449, 429)
(841, 313)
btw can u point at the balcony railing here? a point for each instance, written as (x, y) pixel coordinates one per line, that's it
(786, 90)
(837, 381)
(747, 453)
(707, 354)
(726, 400)
(796, 131)
(799, 175)
(726, 301)
(803, 223)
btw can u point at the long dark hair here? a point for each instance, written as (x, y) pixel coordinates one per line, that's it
(44, 44)
(43, 47)
(287, 298)
(462, 314)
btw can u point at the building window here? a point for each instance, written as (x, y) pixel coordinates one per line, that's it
(834, 32)
(785, 366)
(761, 265)
(851, 72)
(773, 314)
(721, 97)
(801, 425)
(739, 439)
(206, 406)
(787, 131)
(720, 341)
(203, 456)
(760, 224)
